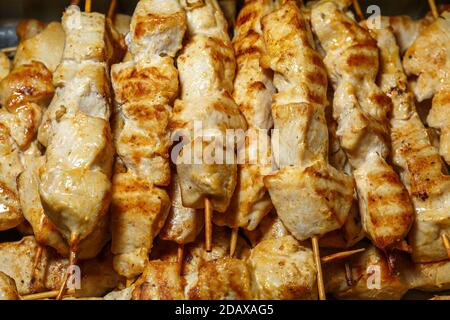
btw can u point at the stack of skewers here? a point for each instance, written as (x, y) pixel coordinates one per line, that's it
(285, 150)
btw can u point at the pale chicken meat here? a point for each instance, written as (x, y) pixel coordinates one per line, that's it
(283, 269)
(269, 228)
(183, 224)
(17, 260)
(251, 201)
(431, 277)
(139, 210)
(206, 164)
(222, 279)
(27, 29)
(369, 277)
(351, 232)
(10, 167)
(428, 59)
(122, 23)
(311, 197)
(253, 87)
(8, 288)
(74, 182)
(45, 47)
(421, 167)
(253, 91)
(361, 109)
(5, 65)
(160, 280)
(406, 29)
(145, 87)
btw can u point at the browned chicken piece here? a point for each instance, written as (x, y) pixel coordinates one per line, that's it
(5, 65)
(160, 280)
(269, 228)
(421, 166)
(368, 277)
(45, 47)
(253, 91)
(283, 269)
(25, 84)
(221, 279)
(311, 197)
(351, 232)
(361, 110)
(17, 260)
(8, 288)
(253, 87)
(138, 213)
(207, 69)
(27, 29)
(145, 88)
(428, 58)
(183, 224)
(10, 167)
(431, 277)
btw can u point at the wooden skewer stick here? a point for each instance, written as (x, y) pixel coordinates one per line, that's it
(37, 260)
(358, 10)
(45, 295)
(9, 49)
(233, 241)
(340, 255)
(433, 8)
(88, 6)
(208, 225)
(320, 285)
(72, 262)
(112, 9)
(446, 243)
(180, 254)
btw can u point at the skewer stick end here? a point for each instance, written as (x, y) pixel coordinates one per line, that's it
(208, 225)
(316, 251)
(233, 241)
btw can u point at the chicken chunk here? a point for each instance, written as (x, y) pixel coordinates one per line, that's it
(45, 47)
(284, 269)
(5, 65)
(370, 277)
(183, 224)
(361, 110)
(413, 151)
(160, 280)
(8, 289)
(428, 58)
(139, 211)
(10, 167)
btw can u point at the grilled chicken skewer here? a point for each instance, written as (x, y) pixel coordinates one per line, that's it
(253, 91)
(421, 166)
(17, 260)
(310, 196)
(24, 94)
(428, 59)
(183, 224)
(75, 185)
(207, 69)
(145, 88)
(361, 109)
